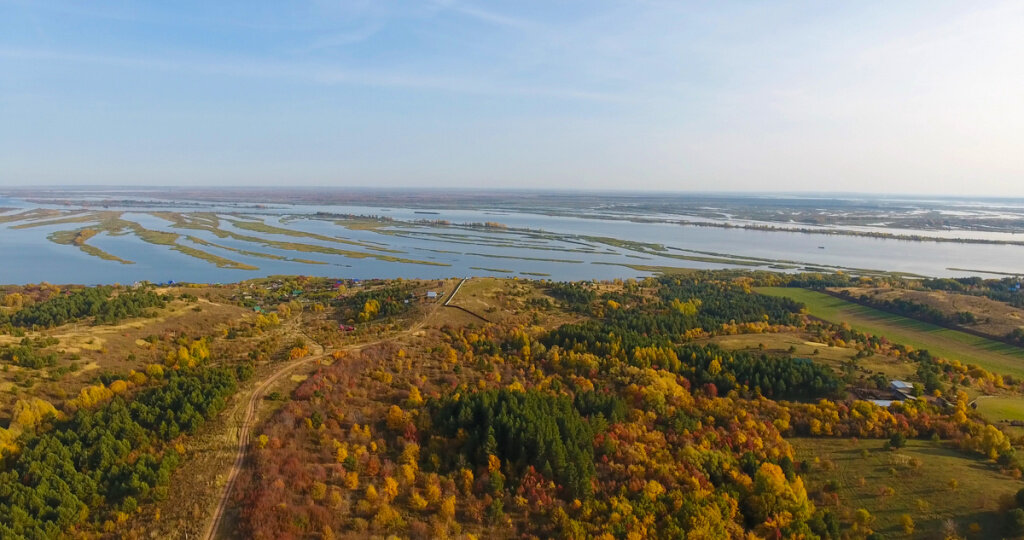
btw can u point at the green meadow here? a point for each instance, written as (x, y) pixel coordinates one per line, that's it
(951, 344)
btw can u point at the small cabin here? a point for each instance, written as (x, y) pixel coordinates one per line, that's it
(431, 294)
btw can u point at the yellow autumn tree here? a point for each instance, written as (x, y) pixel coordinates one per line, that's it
(352, 480)
(155, 371)
(415, 398)
(390, 489)
(28, 413)
(417, 502)
(118, 387)
(447, 510)
(91, 396)
(8, 442)
(776, 502)
(396, 418)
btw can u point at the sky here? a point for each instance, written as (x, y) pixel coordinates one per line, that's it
(869, 96)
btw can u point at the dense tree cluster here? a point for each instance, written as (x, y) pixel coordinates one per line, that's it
(97, 302)
(806, 280)
(777, 377)
(667, 322)
(627, 423)
(523, 429)
(104, 461)
(28, 353)
(371, 304)
(577, 296)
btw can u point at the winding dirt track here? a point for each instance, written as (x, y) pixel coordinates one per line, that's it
(245, 428)
(243, 440)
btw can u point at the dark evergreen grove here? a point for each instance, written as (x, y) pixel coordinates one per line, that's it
(96, 302)
(106, 460)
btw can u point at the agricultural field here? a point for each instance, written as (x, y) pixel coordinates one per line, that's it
(993, 317)
(951, 344)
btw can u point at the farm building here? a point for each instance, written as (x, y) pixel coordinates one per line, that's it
(902, 389)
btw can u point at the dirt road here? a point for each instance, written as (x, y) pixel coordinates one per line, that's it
(250, 416)
(243, 438)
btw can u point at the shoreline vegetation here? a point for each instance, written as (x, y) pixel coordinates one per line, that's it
(79, 238)
(488, 234)
(112, 223)
(1010, 274)
(647, 248)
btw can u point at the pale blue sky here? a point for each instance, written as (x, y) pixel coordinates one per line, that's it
(923, 96)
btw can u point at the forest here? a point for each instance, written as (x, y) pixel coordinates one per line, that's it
(94, 469)
(685, 406)
(624, 422)
(98, 303)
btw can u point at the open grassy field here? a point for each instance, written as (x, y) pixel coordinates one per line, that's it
(1000, 408)
(919, 476)
(485, 296)
(803, 348)
(994, 318)
(989, 354)
(501, 300)
(83, 349)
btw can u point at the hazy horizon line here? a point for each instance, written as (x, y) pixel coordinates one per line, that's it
(482, 190)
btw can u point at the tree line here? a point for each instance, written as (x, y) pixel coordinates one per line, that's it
(96, 302)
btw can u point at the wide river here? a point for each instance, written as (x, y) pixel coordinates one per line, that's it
(559, 252)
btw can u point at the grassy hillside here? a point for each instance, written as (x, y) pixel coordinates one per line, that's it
(991, 355)
(860, 471)
(994, 318)
(1000, 408)
(802, 348)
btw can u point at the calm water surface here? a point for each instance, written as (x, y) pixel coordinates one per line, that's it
(29, 257)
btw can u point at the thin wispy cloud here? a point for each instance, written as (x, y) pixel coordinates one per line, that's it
(311, 73)
(487, 16)
(342, 39)
(660, 94)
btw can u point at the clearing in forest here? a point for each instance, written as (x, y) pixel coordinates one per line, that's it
(917, 480)
(992, 355)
